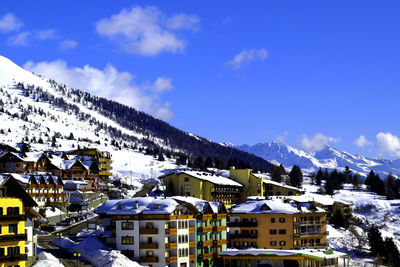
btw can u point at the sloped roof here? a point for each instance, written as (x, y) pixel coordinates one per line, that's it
(206, 176)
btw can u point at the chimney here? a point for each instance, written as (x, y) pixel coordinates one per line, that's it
(136, 204)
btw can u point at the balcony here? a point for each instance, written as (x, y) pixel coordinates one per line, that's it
(18, 217)
(149, 231)
(205, 256)
(149, 259)
(219, 242)
(171, 245)
(242, 224)
(207, 216)
(219, 228)
(148, 245)
(192, 257)
(216, 255)
(171, 259)
(19, 237)
(206, 229)
(205, 243)
(171, 231)
(191, 230)
(315, 246)
(192, 244)
(12, 258)
(297, 235)
(308, 223)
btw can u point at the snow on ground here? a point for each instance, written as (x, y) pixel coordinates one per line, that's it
(46, 259)
(95, 251)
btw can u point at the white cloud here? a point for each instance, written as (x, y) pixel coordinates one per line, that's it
(282, 137)
(362, 141)
(68, 44)
(183, 21)
(46, 34)
(247, 56)
(316, 142)
(108, 83)
(9, 22)
(146, 31)
(388, 144)
(162, 84)
(21, 39)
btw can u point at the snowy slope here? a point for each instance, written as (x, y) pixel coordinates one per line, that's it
(329, 158)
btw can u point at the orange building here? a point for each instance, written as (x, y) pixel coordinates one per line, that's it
(274, 224)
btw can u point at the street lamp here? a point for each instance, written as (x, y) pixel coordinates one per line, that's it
(77, 255)
(59, 239)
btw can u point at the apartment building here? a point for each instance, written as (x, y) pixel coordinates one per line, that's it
(274, 224)
(16, 235)
(154, 232)
(203, 185)
(211, 230)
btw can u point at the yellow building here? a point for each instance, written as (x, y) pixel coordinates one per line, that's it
(274, 224)
(203, 185)
(15, 205)
(255, 184)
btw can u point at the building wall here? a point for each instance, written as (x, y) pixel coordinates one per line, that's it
(6, 202)
(275, 190)
(135, 233)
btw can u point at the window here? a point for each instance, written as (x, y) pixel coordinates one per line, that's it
(1, 209)
(253, 220)
(186, 179)
(127, 225)
(311, 242)
(282, 220)
(272, 232)
(282, 243)
(253, 244)
(187, 186)
(272, 243)
(282, 231)
(318, 241)
(245, 244)
(317, 219)
(127, 240)
(272, 220)
(1, 252)
(13, 228)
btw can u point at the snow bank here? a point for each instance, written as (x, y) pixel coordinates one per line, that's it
(46, 259)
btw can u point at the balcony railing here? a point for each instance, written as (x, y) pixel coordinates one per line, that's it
(191, 230)
(242, 224)
(219, 242)
(192, 244)
(149, 259)
(205, 256)
(12, 258)
(310, 234)
(205, 243)
(192, 257)
(19, 237)
(171, 259)
(219, 228)
(307, 223)
(171, 245)
(205, 229)
(149, 245)
(19, 217)
(171, 231)
(149, 231)
(314, 246)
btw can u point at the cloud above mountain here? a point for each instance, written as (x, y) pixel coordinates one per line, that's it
(147, 30)
(388, 144)
(109, 83)
(316, 142)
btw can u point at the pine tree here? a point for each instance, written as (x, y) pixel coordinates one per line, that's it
(375, 242)
(329, 186)
(319, 177)
(347, 175)
(392, 190)
(296, 176)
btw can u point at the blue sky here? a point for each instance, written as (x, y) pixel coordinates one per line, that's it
(307, 73)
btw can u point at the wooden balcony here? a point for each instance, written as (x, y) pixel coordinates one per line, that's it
(219, 228)
(205, 243)
(149, 259)
(149, 231)
(192, 244)
(171, 231)
(13, 258)
(192, 257)
(148, 245)
(207, 216)
(205, 256)
(171, 245)
(171, 259)
(205, 229)
(19, 217)
(191, 230)
(219, 242)
(7, 238)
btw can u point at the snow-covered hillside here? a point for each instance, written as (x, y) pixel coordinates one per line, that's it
(329, 158)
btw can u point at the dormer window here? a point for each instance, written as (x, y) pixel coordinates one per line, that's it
(157, 206)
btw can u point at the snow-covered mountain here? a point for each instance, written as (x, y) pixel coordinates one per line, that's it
(329, 158)
(51, 116)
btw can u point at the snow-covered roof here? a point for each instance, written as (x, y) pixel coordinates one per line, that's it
(267, 180)
(319, 254)
(212, 178)
(265, 206)
(145, 205)
(24, 178)
(198, 203)
(32, 156)
(324, 200)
